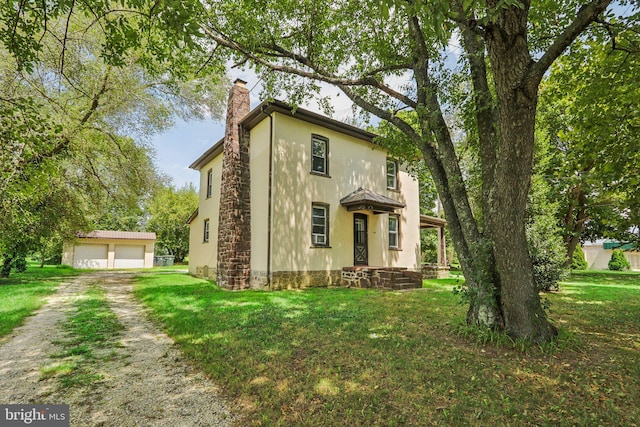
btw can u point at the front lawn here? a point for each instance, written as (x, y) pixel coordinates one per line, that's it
(367, 357)
(23, 293)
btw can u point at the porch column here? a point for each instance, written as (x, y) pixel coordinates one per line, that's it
(442, 247)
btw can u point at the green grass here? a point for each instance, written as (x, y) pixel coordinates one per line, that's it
(23, 293)
(366, 357)
(92, 330)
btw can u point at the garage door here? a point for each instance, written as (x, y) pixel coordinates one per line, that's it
(90, 256)
(129, 256)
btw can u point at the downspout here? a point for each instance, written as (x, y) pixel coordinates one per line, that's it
(269, 198)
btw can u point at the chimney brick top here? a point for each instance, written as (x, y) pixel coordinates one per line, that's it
(240, 82)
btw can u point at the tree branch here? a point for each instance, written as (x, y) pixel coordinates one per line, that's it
(586, 15)
(65, 37)
(442, 162)
(484, 105)
(406, 128)
(317, 73)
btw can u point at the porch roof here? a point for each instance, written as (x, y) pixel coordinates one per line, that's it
(362, 199)
(427, 221)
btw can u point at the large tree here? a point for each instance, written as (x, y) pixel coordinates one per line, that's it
(82, 87)
(391, 55)
(592, 125)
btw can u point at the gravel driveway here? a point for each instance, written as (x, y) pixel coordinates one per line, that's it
(147, 384)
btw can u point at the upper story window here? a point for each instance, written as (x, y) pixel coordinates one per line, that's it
(394, 232)
(319, 155)
(392, 174)
(319, 224)
(209, 182)
(205, 237)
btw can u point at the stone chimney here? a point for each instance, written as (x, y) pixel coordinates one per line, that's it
(234, 221)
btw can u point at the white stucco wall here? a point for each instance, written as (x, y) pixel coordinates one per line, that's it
(206, 253)
(259, 169)
(598, 258)
(353, 163)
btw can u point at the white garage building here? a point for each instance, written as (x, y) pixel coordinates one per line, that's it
(110, 249)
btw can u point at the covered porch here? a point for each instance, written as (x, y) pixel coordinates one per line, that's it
(440, 269)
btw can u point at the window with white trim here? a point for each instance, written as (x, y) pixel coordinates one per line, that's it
(319, 224)
(205, 237)
(392, 174)
(209, 182)
(394, 232)
(319, 155)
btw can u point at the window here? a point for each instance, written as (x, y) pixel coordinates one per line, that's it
(319, 155)
(394, 232)
(205, 237)
(392, 174)
(319, 224)
(209, 182)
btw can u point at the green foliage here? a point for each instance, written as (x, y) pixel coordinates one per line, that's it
(82, 87)
(545, 244)
(169, 210)
(429, 246)
(618, 261)
(588, 111)
(20, 264)
(578, 261)
(162, 34)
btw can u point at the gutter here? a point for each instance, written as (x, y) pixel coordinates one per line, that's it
(270, 197)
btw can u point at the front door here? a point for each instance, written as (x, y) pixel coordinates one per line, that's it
(360, 244)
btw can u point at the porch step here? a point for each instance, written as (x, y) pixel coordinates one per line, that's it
(382, 278)
(401, 283)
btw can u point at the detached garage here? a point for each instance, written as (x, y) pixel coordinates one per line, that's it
(110, 249)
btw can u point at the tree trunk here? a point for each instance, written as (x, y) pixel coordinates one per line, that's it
(505, 212)
(574, 226)
(474, 252)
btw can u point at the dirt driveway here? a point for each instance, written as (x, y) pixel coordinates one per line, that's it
(147, 384)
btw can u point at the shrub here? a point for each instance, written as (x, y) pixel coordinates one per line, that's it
(547, 253)
(618, 261)
(578, 262)
(547, 269)
(20, 264)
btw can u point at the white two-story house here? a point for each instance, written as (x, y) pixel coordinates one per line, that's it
(290, 198)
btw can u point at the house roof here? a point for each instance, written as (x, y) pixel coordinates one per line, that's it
(207, 156)
(193, 216)
(362, 199)
(263, 111)
(614, 244)
(108, 234)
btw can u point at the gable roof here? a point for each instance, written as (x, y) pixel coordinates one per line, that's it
(263, 111)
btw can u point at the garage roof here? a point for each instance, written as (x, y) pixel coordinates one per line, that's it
(108, 234)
